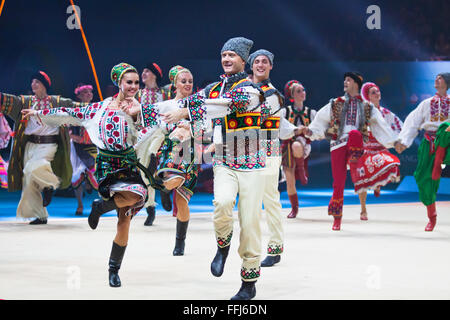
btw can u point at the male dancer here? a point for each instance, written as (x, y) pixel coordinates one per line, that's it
(40, 157)
(273, 126)
(345, 121)
(238, 159)
(433, 116)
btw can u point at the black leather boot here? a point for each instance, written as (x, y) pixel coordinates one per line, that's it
(218, 264)
(47, 194)
(181, 236)
(99, 207)
(150, 216)
(166, 201)
(152, 164)
(39, 221)
(246, 292)
(270, 261)
(115, 261)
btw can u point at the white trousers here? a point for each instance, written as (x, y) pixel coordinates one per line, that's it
(272, 206)
(228, 184)
(37, 174)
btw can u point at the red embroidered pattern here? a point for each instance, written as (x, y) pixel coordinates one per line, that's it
(439, 108)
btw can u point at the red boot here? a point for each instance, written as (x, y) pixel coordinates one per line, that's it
(431, 211)
(294, 203)
(300, 172)
(438, 159)
(337, 223)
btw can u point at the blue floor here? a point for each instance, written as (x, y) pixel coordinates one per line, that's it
(62, 207)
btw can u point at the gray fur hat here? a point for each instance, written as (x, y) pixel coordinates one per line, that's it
(446, 76)
(240, 45)
(260, 52)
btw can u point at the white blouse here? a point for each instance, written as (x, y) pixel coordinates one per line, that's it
(428, 116)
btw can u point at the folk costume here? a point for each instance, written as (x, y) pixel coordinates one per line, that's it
(40, 156)
(175, 157)
(377, 167)
(231, 108)
(297, 117)
(273, 127)
(114, 133)
(345, 121)
(431, 115)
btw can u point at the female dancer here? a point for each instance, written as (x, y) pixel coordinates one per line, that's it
(114, 133)
(5, 136)
(295, 151)
(175, 171)
(83, 153)
(377, 167)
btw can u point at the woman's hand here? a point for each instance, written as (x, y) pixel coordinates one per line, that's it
(28, 113)
(175, 115)
(130, 106)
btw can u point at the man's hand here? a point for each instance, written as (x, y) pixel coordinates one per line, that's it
(302, 130)
(399, 147)
(448, 129)
(28, 113)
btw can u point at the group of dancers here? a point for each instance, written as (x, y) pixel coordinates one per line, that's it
(155, 138)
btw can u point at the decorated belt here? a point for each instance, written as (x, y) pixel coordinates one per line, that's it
(41, 139)
(430, 136)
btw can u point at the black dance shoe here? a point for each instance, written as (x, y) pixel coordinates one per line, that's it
(246, 292)
(269, 261)
(218, 263)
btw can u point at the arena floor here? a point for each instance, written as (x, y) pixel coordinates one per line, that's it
(390, 256)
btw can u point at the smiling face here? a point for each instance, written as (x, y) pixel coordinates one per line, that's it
(374, 95)
(184, 84)
(129, 84)
(232, 63)
(261, 68)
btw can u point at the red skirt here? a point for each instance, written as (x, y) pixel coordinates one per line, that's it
(376, 169)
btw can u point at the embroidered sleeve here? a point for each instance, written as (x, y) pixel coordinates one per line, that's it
(10, 105)
(70, 116)
(239, 100)
(150, 116)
